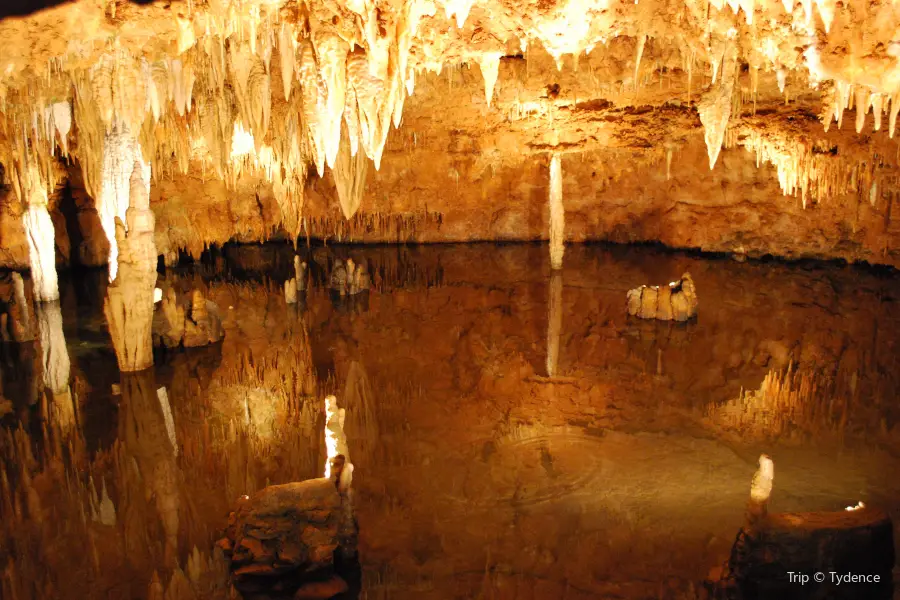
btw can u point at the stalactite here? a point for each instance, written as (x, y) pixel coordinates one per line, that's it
(557, 214)
(41, 236)
(490, 66)
(715, 109)
(350, 178)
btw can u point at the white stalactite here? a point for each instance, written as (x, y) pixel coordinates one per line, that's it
(490, 68)
(41, 252)
(120, 152)
(41, 236)
(557, 214)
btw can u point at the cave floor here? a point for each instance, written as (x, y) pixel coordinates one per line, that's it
(476, 475)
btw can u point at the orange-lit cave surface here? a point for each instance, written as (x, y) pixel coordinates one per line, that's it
(216, 213)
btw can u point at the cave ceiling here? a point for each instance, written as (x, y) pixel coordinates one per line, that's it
(283, 88)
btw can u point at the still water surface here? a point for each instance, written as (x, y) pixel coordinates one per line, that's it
(625, 475)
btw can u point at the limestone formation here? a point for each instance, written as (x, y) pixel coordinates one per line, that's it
(40, 234)
(557, 214)
(129, 301)
(285, 536)
(675, 302)
(297, 283)
(179, 322)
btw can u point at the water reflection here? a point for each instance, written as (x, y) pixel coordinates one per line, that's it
(475, 474)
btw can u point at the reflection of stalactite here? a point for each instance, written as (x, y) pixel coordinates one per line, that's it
(20, 324)
(554, 325)
(53, 347)
(56, 367)
(362, 425)
(129, 303)
(146, 438)
(400, 227)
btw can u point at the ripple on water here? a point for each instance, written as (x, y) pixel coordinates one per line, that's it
(531, 466)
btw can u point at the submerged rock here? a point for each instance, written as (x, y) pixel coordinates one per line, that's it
(285, 537)
(674, 302)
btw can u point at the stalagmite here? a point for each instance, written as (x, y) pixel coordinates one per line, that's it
(121, 152)
(41, 236)
(129, 302)
(557, 214)
(335, 439)
(554, 322)
(761, 486)
(490, 67)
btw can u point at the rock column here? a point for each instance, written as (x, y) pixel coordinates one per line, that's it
(129, 301)
(557, 214)
(121, 154)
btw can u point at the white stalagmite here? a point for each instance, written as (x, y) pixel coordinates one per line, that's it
(554, 324)
(557, 214)
(490, 68)
(120, 152)
(41, 236)
(761, 486)
(335, 439)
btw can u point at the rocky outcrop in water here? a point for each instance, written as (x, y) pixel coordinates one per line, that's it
(179, 323)
(674, 302)
(284, 538)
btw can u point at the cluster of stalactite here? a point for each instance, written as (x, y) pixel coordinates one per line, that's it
(815, 171)
(400, 226)
(271, 89)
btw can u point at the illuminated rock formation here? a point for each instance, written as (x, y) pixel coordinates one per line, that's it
(41, 236)
(285, 536)
(122, 159)
(241, 108)
(557, 214)
(129, 298)
(19, 322)
(674, 302)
